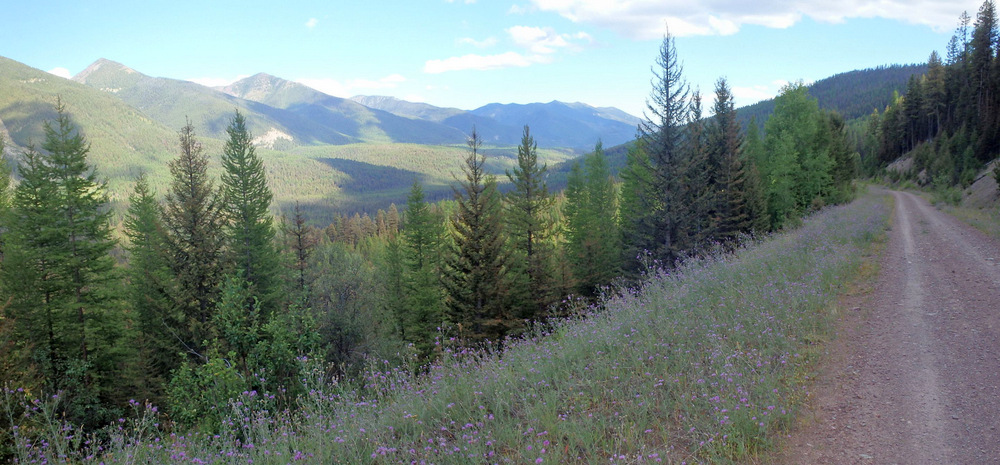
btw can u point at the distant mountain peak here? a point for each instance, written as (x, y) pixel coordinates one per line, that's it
(106, 65)
(258, 87)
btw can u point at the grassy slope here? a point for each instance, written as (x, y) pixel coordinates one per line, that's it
(701, 364)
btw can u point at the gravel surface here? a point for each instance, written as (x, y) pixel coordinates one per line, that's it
(914, 374)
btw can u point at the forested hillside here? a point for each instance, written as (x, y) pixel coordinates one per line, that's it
(853, 94)
(947, 122)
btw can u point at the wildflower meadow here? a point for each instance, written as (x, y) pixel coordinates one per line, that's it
(702, 363)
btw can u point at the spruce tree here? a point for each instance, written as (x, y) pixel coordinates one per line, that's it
(475, 275)
(530, 230)
(593, 238)
(654, 223)
(421, 252)
(249, 225)
(301, 239)
(193, 219)
(151, 289)
(639, 204)
(732, 203)
(694, 184)
(60, 274)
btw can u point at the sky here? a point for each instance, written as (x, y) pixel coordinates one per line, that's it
(468, 53)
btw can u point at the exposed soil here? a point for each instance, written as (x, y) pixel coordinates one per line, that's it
(914, 374)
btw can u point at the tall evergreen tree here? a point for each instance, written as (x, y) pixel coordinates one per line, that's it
(150, 290)
(655, 222)
(981, 56)
(694, 184)
(844, 159)
(934, 95)
(193, 219)
(421, 253)
(530, 230)
(475, 275)
(60, 273)
(301, 240)
(593, 237)
(731, 195)
(638, 203)
(249, 225)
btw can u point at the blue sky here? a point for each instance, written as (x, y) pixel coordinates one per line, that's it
(467, 53)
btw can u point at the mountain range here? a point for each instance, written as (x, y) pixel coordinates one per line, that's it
(285, 113)
(328, 153)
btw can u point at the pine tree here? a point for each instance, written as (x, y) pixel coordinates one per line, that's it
(638, 206)
(150, 290)
(421, 253)
(655, 222)
(981, 56)
(593, 238)
(301, 239)
(60, 274)
(934, 95)
(530, 230)
(694, 184)
(475, 275)
(845, 159)
(731, 197)
(249, 225)
(193, 219)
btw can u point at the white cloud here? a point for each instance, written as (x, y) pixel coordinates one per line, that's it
(517, 10)
(544, 40)
(312, 23)
(352, 87)
(648, 19)
(61, 72)
(481, 62)
(485, 43)
(751, 95)
(217, 82)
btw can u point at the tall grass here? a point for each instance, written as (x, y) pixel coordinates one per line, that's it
(698, 364)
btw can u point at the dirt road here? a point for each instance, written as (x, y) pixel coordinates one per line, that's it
(914, 375)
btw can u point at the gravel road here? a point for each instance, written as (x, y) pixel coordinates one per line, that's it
(914, 374)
